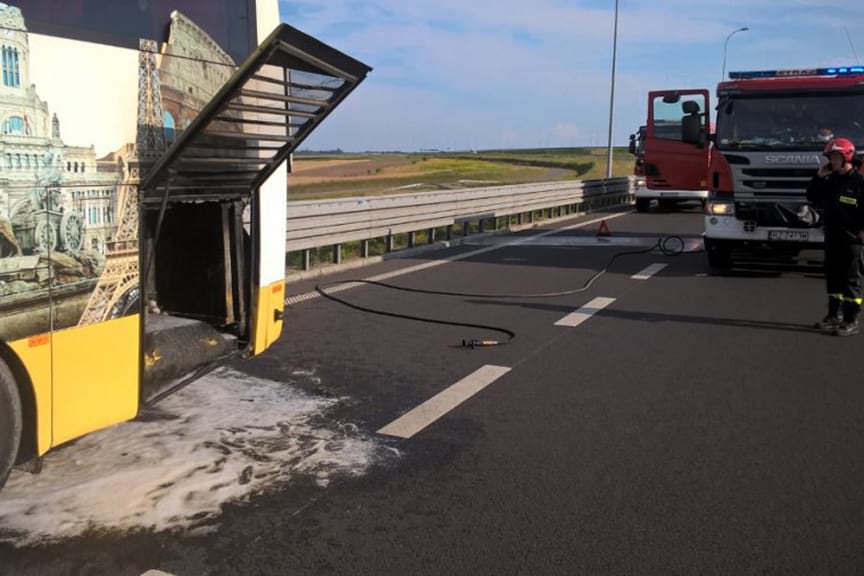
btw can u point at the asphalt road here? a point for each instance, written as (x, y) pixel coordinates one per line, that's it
(694, 425)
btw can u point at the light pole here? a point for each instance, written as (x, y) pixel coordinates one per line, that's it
(725, 46)
(612, 93)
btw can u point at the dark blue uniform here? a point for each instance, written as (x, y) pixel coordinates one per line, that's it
(840, 197)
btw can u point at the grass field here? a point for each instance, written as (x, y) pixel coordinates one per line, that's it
(342, 175)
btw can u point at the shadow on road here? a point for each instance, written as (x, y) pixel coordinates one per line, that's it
(657, 317)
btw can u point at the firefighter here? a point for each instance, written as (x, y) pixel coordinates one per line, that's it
(838, 190)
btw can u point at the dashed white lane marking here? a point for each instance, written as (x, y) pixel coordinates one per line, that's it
(418, 267)
(431, 410)
(156, 573)
(649, 271)
(585, 312)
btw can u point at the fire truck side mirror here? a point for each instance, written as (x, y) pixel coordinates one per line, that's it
(632, 147)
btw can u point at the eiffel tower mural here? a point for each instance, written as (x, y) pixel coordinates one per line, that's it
(118, 286)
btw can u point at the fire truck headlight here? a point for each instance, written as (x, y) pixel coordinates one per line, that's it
(721, 208)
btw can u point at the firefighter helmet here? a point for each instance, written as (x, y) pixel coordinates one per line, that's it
(842, 145)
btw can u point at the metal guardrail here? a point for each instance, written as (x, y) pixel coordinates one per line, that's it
(320, 223)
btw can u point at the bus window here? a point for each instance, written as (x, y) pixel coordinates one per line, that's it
(231, 23)
(190, 71)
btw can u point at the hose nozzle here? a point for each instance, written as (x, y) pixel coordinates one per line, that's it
(479, 343)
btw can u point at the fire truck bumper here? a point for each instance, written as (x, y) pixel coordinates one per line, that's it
(734, 231)
(643, 192)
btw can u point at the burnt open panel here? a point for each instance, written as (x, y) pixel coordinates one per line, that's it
(199, 205)
(268, 107)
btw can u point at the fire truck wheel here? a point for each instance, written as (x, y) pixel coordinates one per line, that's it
(719, 256)
(643, 204)
(10, 421)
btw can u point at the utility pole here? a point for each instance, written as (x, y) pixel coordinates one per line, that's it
(725, 46)
(612, 93)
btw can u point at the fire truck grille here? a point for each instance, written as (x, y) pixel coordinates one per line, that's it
(807, 173)
(783, 214)
(776, 184)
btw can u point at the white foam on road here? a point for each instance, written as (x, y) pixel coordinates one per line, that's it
(431, 410)
(221, 439)
(585, 312)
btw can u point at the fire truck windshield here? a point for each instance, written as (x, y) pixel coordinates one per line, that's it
(789, 122)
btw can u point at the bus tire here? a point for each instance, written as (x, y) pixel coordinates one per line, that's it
(10, 421)
(643, 204)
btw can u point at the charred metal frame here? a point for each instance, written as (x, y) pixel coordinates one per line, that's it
(211, 159)
(219, 159)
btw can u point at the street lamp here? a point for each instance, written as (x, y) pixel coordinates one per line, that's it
(726, 45)
(612, 93)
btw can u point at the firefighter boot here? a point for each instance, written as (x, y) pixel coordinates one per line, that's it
(833, 320)
(849, 327)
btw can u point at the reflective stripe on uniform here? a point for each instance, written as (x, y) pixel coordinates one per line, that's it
(842, 298)
(848, 200)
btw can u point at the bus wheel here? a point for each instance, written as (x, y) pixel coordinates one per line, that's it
(642, 204)
(10, 421)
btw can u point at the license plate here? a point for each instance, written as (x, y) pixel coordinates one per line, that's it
(789, 235)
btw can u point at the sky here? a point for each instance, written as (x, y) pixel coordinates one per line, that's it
(487, 74)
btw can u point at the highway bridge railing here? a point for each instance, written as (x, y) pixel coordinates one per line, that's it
(391, 222)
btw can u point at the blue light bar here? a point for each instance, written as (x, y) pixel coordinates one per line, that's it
(839, 71)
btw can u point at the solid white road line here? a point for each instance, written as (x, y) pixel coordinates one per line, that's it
(292, 300)
(431, 410)
(649, 271)
(585, 312)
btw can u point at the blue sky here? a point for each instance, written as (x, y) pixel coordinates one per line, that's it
(460, 74)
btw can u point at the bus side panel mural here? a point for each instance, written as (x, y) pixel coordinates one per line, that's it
(71, 159)
(63, 165)
(80, 122)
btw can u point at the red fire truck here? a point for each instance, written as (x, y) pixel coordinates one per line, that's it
(771, 127)
(671, 150)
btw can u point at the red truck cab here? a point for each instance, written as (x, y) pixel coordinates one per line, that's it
(675, 148)
(771, 128)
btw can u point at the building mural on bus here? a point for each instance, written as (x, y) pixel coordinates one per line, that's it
(192, 68)
(71, 156)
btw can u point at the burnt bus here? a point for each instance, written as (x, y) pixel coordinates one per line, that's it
(143, 186)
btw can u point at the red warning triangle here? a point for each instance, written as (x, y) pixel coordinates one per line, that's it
(603, 230)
